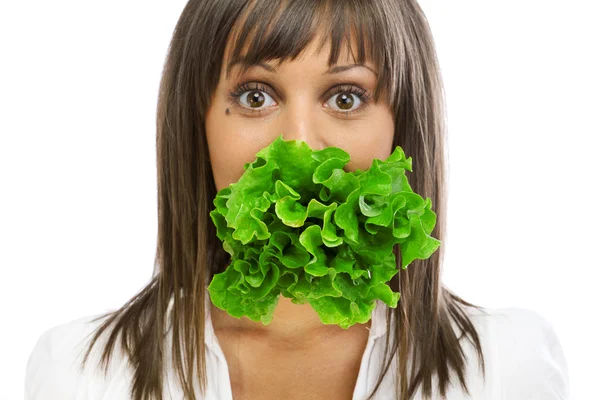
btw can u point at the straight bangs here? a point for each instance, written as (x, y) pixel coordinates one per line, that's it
(281, 30)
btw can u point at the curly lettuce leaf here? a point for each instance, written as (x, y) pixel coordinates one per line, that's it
(297, 225)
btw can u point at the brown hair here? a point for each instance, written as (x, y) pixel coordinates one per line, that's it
(188, 251)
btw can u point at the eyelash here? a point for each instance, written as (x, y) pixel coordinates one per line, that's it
(240, 89)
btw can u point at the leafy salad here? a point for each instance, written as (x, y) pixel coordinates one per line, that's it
(297, 225)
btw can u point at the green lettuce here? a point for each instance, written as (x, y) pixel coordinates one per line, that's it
(297, 225)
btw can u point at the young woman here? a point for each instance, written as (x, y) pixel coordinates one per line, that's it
(359, 75)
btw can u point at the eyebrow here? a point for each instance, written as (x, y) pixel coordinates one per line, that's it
(331, 71)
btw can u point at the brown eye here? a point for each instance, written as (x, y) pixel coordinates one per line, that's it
(255, 99)
(344, 101)
(251, 99)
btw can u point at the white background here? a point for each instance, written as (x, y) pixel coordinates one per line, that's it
(78, 89)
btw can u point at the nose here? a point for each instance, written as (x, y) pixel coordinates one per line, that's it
(299, 122)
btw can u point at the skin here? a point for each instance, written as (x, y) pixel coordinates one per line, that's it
(300, 101)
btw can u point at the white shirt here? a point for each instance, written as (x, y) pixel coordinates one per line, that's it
(524, 361)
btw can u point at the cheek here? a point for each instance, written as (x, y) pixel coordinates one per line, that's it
(230, 146)
(222, 151)
(227, 159)
(375, 142)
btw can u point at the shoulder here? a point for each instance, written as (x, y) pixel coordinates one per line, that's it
(53, 368)
(526, 353)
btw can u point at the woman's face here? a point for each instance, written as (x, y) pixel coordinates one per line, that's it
(302, 101)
